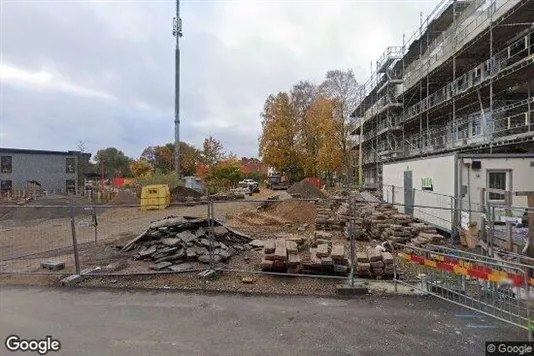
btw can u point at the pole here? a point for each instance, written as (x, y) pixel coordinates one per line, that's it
(74, 241)
(177, 32)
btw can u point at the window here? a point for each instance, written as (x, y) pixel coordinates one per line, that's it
(6, 186)
(496, 180)
(70, 186)
(5, 164)
(476, 128)
(71, 165)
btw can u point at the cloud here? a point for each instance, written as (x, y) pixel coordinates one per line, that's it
(103, 72)
(47, 81)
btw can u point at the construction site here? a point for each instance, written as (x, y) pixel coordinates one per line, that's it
(442, 205)
(462, 83)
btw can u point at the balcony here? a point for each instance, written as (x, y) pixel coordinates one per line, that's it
(390, 55)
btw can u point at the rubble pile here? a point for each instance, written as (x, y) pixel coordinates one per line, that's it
(374, 263)
(174, 240)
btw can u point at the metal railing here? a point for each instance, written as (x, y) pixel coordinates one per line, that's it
(499, 289)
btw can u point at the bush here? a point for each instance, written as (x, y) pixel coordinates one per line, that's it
(161, 178)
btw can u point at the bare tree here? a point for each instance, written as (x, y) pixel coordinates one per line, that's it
(342, 87)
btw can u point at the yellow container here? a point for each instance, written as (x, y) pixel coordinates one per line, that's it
(155, 197)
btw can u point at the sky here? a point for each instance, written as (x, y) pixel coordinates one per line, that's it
(102, 72)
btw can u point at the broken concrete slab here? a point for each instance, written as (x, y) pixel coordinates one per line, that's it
(208, 274)
(224, 254)
(171, 241)
(219, 231)
(181, 267)
(191, 253)
(186, 236)
(160, 266)
(257, 243)
(147, 251)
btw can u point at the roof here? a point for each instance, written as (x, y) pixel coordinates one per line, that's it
(5, 150)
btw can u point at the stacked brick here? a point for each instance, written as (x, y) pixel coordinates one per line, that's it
(397, 233)
(281, 255)
(373, 263)
(326, 259)
(424, 238)
(326, 219)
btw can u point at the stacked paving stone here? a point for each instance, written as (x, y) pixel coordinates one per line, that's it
(416, 228)
(424, 238)
(374, 263)
(326, 259)
(397, 233)
(174, 240)
(326, 218)
(377, 223)
(281, 255)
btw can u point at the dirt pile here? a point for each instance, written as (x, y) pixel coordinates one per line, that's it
(184, 194)
(305, 191)
(295, 211)
(125, 198)
(48, 207)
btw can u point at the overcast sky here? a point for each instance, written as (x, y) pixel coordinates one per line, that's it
(102, 72)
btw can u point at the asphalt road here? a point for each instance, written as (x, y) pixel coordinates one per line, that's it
(99, 322)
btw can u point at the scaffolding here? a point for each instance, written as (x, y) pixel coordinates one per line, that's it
(462, 82)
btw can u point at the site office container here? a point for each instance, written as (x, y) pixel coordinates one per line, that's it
(451, 184)
(155, 197)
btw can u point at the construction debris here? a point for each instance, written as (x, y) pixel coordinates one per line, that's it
(175, 240)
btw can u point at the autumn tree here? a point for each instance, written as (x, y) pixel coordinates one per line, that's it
(323, 153)
(162, 157)
(225, 173)
(212, 151)
(115, 162)
(342, 87)
(141, 168)
(278, 143)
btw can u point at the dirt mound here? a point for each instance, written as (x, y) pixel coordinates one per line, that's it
(306, 191)
(48, 207)
(125, 198)
(295, 211)
(184, 193)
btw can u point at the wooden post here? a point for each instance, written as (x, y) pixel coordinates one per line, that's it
(509, 236)
(530, 204)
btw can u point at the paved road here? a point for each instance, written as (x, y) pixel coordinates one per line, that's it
(98, 322)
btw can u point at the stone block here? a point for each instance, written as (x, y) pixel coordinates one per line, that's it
(322, 250)
(53, 265)
(387, 258)
(338, 252)
(280, 252)
(267, 265)
(373, 254)
(269, 246)
(172, 242)
(181, 267)
(362, 257)
(291, 247)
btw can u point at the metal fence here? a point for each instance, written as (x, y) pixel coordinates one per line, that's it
(492, 280)
(497, 288)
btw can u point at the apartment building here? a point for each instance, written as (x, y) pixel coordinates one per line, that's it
(463, 82)
(48, 170)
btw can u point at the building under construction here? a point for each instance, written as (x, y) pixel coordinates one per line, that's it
(463, 82)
